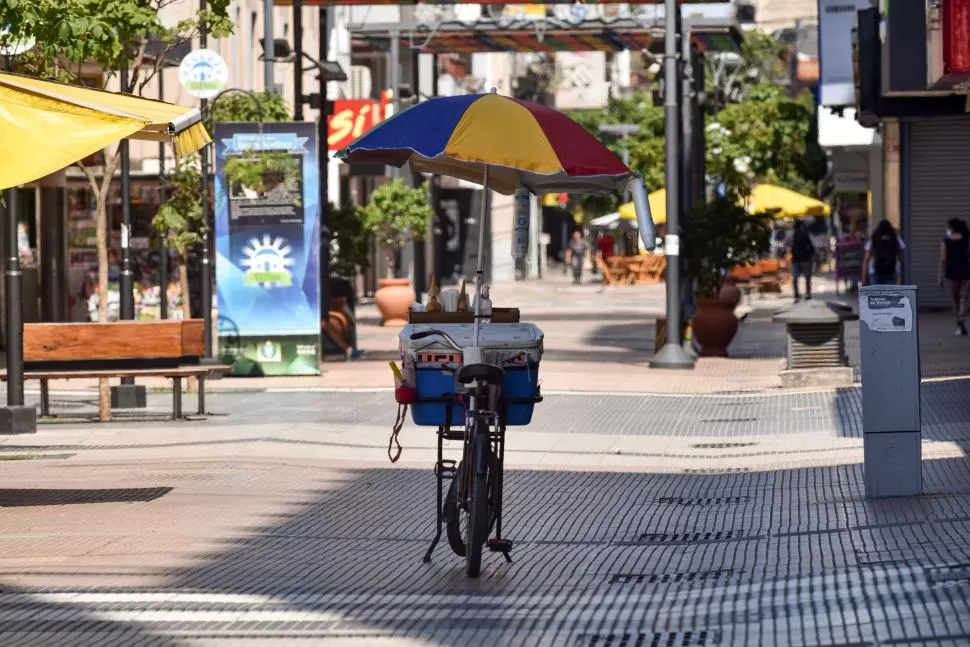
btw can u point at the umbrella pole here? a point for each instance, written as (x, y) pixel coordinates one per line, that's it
(480, 270)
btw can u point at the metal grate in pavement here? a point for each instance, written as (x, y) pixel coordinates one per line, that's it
(720, 500)
(644, 639)
(950, 574)
(725, 420)
(670, 578)
(30, 497)
(716, 470)
(689, 537)
(721, 445)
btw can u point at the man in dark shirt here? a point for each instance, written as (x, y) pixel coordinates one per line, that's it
(576, 256)
(802, 258)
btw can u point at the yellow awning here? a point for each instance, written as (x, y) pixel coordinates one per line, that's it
(46, 126)
(784, 203)
(658, 208)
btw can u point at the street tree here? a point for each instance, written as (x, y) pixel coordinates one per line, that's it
(113, 35)
(755, 131)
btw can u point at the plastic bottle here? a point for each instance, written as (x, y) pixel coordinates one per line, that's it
(486, 311)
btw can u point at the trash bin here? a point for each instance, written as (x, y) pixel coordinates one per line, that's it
(816, 344)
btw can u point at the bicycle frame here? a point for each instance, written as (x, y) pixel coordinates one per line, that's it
(446, 469)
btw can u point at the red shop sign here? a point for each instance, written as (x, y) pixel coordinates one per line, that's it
(351, 118)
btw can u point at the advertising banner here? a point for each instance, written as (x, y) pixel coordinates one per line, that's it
(836, 19)
(267, 226)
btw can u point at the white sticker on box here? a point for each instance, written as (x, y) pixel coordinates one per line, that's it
(887, 312)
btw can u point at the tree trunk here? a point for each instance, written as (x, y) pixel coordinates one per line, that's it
(101, 225)
(184, 288)
(186, 305)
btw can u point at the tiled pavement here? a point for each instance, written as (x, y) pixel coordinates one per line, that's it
(639, 521)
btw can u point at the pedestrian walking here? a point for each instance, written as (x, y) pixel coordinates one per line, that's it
(576, 255)
(802, 258)
(883, 259)
(954, 271)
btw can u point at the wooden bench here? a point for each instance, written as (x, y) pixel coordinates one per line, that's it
(169, 349)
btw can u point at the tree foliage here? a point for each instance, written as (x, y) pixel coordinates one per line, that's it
(718, 235)
(770, 138)
(396, 212)
(766, 135)
(349, 241)
(258, 106)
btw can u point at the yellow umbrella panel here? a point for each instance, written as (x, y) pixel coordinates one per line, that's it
(658, 208)
(765, 198)
(784, 203)
(46, 126)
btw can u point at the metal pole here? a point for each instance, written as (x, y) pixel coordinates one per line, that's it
(126, 282)
(394, 82)
(14, 308)
(417, 246)
(163, 251)
(686, 122)
(205, 271)
(672, 355)
(298, 61)
(700, 146)
(324, 53)
(268, 49)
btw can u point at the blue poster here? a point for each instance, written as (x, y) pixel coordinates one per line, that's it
(267, 227)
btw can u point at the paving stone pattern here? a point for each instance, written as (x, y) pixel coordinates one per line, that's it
(769, 558)
(945, 411)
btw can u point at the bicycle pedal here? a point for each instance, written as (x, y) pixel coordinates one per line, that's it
(500, 545)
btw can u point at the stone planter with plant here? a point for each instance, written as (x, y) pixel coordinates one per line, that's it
(716, 236)
(396, 213)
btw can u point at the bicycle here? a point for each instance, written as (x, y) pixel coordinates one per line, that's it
(472, 509)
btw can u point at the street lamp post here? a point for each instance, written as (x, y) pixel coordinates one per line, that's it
(672, 355)
(15, 418)
(624, 131)
(126, 395)
(208, 107)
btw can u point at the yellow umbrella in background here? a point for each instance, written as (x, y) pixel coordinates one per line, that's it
(784, 203)
(658, 208)
(47, 126)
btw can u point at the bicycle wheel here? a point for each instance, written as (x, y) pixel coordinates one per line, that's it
(476, 531)
(456, 519)
(454, 528)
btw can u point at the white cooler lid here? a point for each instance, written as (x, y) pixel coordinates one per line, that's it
(492, 335)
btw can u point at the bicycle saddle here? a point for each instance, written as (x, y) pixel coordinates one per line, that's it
(485, 372)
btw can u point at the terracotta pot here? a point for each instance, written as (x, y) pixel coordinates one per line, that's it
(714, 326)
(393, 298)
(730, 293)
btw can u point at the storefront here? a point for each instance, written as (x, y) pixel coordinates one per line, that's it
(935, 171)
(82, 251)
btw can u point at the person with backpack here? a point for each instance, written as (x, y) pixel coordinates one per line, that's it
(802, 258)
(884, 255)
(954, 271)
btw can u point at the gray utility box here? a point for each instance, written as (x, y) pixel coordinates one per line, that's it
(816, 345)
(889, 338)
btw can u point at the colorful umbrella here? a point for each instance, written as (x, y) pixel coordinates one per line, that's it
(521, 144)
(502, 144)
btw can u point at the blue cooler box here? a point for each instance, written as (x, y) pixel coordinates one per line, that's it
(515, 347)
